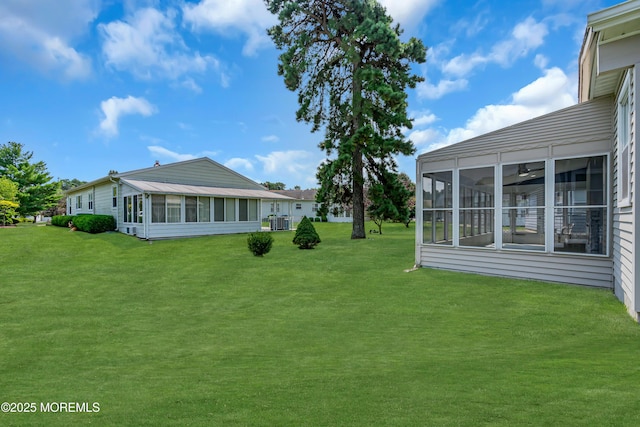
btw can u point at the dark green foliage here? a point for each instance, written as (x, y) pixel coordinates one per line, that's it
(260, 243)
(36, 191)
(87, 223)
(306, 236)
(388, 199)
(61, 220)
(350, 69)
(95, 223)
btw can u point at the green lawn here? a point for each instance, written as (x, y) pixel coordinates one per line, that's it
(200, 332)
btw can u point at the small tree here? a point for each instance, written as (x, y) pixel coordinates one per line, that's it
(388, 200)
(8, 203)
(306, 236)
(260, 243)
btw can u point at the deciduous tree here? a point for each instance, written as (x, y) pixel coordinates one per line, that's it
(8, 197)
(350, 69)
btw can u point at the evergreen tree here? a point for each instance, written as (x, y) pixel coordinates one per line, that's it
(36, 190)
(350, 69)
(306, 236)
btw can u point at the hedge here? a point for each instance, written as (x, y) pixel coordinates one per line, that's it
(86, 223)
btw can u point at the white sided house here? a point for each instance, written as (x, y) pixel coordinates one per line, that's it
(552, 198)
(303, 203)
(191, 198)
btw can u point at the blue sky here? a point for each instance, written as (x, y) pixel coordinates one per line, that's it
(90, 86)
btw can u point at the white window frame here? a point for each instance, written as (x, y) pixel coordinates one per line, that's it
(623, 133)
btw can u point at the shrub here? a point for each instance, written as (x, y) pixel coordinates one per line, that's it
(61, 220)
(260, 243)
(306, 236)
(95, 223)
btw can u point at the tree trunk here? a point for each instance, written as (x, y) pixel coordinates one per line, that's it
(357, 232)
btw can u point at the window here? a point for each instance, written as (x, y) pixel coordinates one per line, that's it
(79, 202)
(253, 210)
(314, 207)
(128, 204)
(218, 209)
(298, 206)
(580, 207)
(230, 210)
(90, 201)
(191, 209)
(243, 210)
(173, 208)
(437, 208)
(523, 203)
(140, 204)
(114, 201)
(476, 195)
(624, 138)
(204, 209)
(158, 209)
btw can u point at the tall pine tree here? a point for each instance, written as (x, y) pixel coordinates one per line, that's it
(350, 69)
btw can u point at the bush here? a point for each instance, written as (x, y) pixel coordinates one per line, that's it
(61, 220)
(260, 243)
(306, 236)
(95, 223)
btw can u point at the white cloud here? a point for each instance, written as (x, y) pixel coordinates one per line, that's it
(408, 12)
(550, 92)
(239, 163)
(249, 17)
(162, 152)
(148, 45)
(430, 91)
(40, 33)
(293, 161)
(270, 138)
(423, 118)
(525, 37)
(114, 107)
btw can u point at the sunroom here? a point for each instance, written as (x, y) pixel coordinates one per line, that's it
(531, 200)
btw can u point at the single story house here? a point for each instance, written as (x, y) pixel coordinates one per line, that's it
(190, 198)
(552, 198)
(303, 204)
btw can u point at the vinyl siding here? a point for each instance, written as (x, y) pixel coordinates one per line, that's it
(164, 230)
(624, 254)
(578, 270)
(202, 172)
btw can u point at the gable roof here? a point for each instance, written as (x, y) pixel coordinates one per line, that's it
(200, 172)
(543, 131)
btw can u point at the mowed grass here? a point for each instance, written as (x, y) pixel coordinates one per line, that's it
(200, 332)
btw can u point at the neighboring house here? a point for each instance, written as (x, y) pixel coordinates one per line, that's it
(550, 198)
(304, 204)
(191, 198)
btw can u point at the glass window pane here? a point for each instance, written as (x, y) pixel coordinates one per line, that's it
(243, 210)
(523, 185)
(173, 208)
(204, 208)
(230, 210)
(253, 210)
(191, 209)
(580, 182)
(157, 208)
(218, 209)
(427, 192)
(523, 228)
(580, 230)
